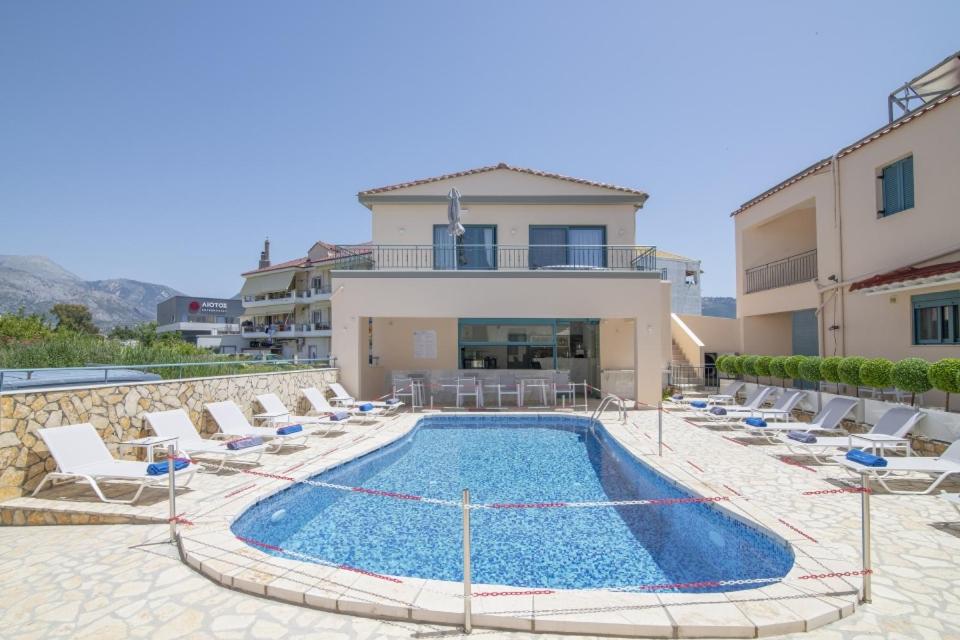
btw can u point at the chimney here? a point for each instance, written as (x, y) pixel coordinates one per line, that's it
(265, 255)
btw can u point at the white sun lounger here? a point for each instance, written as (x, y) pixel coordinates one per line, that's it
(81, 455)
(231, 421)
(827, 419)
(938, 469)
(175, 423)
(340, 395)
(890, 428)
(753, 402)
(780, 410)
(318, 402)
(727, 395)
(275, 410)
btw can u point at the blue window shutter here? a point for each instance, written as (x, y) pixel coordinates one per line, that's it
(891, 189)
(906, 177)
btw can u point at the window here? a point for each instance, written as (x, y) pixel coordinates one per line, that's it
(663, 274)
(567, 246)
(936, 317)
(896, 187)
(475, 249)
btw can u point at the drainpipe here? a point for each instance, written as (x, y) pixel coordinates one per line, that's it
(838, 224)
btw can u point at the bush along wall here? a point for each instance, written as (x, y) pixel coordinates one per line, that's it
(912, 375)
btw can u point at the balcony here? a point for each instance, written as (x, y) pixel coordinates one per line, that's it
(305, 330)
(269, 299)
(781, 273)
(498, 258)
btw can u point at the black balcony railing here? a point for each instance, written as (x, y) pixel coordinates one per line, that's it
(475, 257)
(781, 273)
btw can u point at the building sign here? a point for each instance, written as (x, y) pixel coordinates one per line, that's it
(207, 306)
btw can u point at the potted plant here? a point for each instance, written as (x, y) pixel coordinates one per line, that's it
(778, 369)
(830, 370)
(912, 374)
(945, 375)
(750, 367)
(876, 373)
(850, 372)
(792, 366)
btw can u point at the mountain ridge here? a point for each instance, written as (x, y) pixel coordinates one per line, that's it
(36, 283)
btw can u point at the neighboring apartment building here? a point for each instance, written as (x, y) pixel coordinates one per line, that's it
(545, 277)
(859, 254)
(684, 277)
(286, 306)
(199, 320)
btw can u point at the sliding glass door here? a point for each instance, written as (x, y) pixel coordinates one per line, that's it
(476, 249)
(567, 246)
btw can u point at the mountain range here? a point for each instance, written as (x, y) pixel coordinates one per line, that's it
(721, 307)
(36, 283)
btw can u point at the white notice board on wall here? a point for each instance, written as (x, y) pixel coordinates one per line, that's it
(425, 345)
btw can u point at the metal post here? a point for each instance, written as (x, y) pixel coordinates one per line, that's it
(467, 586)
(171, 458)
(865, 536)
(660, 428)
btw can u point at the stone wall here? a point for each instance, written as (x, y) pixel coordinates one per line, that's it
(116, 411)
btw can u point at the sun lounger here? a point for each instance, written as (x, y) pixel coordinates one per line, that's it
(175, 423)
(937, 469)
(81, 455)
(232, 422)
(827, 419)
(889, 430)
(727, 395)
(753, 402)
(340, 395)
(319, 403)
(276, 411)
(780, 410)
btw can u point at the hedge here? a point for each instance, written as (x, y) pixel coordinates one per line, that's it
(778, 367)
(792, 366)
(876, 373)
(809, 369)
(750, 365)
(850, 370)
(830, 369)
(945, 376)
(912, 374)
(763, 366)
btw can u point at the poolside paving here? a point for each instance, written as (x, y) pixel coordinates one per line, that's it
(123, 581)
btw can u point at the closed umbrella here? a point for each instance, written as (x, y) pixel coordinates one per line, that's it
(454, 228)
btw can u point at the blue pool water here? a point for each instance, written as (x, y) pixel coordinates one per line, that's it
(514, 459)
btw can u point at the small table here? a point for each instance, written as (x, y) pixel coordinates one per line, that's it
(148, 443)
(879, 441)
(272, 417)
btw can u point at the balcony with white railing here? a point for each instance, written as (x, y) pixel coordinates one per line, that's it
(479, 257)
(795, 269)
(278, 331)
(269, 299)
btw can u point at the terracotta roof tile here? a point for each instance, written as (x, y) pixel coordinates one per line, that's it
(494, 167)
(907, 273)
(352, 251)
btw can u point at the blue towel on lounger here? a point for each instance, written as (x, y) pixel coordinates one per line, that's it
(698, 404)
(392, 401)
(802, 436)
(718, 411)
(338, 416)
(288, 429)
(866, 459)
(366, 406)
(244, 443)
(160, 468)
(756, 422)
(677, 397)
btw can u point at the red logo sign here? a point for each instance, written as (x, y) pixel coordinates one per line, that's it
(194, 306)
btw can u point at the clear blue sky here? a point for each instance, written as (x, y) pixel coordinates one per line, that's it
(163, 140)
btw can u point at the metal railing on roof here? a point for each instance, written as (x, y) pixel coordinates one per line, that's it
(481, 257)
(795, 269)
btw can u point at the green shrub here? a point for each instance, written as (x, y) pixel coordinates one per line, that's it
(763, 366)
(718, 363)
(912, 374)
(778, 367)
(876, 373)
(750, 365)
(809, 369)
(830, 368)
(945, 376)
(792, 366)
(850, 370)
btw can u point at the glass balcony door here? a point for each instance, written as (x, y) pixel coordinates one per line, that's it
(567, 247)
(476, 249)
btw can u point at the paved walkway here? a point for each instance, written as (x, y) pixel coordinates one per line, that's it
(118, 581)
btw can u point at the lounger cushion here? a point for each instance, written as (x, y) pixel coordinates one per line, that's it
(802, 436)
(866, 459)
(160, 468)
(755, 422)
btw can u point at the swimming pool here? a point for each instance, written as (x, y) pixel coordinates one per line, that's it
(533, 458)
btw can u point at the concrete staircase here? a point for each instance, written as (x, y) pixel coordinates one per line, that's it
(678, 358)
